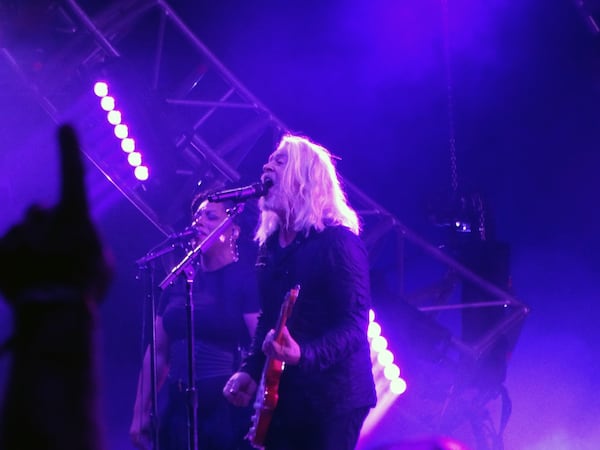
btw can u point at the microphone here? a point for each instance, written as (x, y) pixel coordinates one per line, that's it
(242, 193)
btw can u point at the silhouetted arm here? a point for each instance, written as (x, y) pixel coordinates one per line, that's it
(53, 273)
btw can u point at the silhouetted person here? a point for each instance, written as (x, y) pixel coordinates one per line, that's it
(225, 309)
(53, 273)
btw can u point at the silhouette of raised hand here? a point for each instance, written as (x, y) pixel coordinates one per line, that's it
(55, 254)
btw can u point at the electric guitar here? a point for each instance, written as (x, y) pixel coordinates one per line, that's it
(267, 394)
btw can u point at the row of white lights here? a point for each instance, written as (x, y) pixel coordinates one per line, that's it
(115, 118)
(388, 383)
(383, 358)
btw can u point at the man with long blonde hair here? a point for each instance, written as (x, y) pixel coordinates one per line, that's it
(308, 236)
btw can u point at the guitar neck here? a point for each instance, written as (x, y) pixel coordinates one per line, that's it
(267, 395)
(286, 311)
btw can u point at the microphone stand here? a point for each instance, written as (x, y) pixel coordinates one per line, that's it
(186, 266)
(147, 268)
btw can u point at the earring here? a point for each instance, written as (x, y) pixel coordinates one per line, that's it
(233, 246)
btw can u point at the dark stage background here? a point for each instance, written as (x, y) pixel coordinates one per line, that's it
(367, 80)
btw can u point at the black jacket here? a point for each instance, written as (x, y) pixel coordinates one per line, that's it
(329, 321)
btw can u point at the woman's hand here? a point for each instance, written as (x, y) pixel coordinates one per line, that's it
(240, 389)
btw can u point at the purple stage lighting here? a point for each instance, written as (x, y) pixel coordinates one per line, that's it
(101, 89)
(107, 103)
(114, 117)
(128, 145)
(381, 356)
(391, 371)
(134, 159)
(398, 386)
(121, 131)
(386, 374)
(385, 358)
(379, 343)
(374, 330)
(141, 173)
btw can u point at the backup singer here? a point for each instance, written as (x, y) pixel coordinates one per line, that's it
(308, 235)
(225, 314)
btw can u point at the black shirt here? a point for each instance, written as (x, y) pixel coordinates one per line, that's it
(220, 299)
(329, 321)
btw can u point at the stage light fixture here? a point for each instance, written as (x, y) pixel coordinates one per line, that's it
(391, 371)
(128, 145)
(381, 356)
(141, 173)
(107, 103)
(134, 159)
(379, 343)
(374, 330)
(388, 383)
(385, 357)
(114, 117)
(398, 386)
(121, 131)
(101, 89)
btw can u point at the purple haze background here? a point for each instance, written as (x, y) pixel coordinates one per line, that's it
(366, 79)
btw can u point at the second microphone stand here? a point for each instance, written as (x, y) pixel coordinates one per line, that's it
(147, 268)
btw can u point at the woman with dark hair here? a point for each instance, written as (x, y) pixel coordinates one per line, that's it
(225, 308)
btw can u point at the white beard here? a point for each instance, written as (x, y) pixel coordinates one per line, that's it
(272, 202)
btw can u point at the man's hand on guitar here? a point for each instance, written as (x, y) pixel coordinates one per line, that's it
(284, 349)
(240, 389)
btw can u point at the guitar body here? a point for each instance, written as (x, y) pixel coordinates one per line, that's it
(266, 400)
(267, 394)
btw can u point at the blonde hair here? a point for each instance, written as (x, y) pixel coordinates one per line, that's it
(315, 198)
